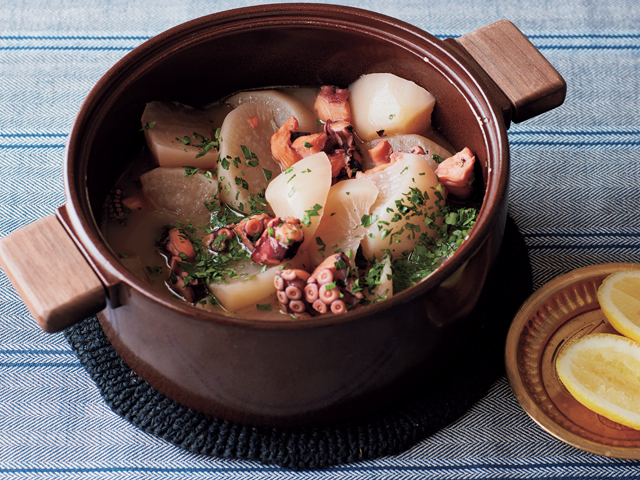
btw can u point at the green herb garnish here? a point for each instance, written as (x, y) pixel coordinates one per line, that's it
(368, 220)
(312, 212)
(190, 171)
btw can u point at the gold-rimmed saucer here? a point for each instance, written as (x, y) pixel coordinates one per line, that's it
(559, 313)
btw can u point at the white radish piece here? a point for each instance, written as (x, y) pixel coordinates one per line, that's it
(396, 227)
(301, 192)
(384, 104)
(283, 106)
(253, 285)
(169, 129)
(184, 195)
(341, 226)
(246, 132)
(404, 143)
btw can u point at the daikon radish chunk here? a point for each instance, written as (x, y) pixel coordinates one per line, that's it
(404, 143)
(246, 164)
(180, 191)
(384, 104)
(253, 284)
(341, 229)
(301, 192)
(409, 192)
(283, 106)
(178, 134)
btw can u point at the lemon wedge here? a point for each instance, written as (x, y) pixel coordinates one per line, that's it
(619, 297)
(602, 372)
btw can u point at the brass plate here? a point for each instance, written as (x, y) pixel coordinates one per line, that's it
(559, 313)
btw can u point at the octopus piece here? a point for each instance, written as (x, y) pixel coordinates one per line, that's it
(176, 281)
(456, 173)
(418, 150)
(117, 211)
(290, 285)
(218, 241)
(339, 161)
(393, 158)
(280, 240)
(330, 288)
(309, 144)
(250, 229)
(337, 141)
(332, 104)
(281, 148)
(339, 135)
(381, 153)
(340, 142)
(179, 244)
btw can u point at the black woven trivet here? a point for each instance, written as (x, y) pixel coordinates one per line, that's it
(448, 396)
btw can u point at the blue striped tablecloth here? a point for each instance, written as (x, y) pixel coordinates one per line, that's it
(575, 195)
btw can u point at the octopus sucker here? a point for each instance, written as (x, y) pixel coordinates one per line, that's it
(290, 284)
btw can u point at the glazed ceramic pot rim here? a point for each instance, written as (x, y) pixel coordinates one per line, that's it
(84, 225)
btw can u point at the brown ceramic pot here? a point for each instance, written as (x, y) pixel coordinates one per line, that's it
(282, 373)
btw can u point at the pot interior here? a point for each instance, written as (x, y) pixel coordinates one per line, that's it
(305, 45)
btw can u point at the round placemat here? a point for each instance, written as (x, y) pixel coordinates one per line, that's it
(396, 428)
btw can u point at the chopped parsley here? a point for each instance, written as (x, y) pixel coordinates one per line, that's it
(368, 220)
(340, 264)
(205, 144)
(312, 212)
(429, 253)
(148, 126)
(241, 182)
(153, 270)
(267, 174)
(258, 203)
(248, 154)
(190, 171)
(437, 158)
(264, 307)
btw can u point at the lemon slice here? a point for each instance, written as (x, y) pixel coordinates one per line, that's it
(602, 372)
(619, 297)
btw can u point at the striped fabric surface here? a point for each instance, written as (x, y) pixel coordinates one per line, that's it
(575, 196)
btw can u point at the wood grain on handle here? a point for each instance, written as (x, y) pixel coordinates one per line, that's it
(519, 70)
(51, 275)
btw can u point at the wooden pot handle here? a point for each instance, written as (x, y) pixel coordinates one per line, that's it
(51, 275)
(527, 79)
